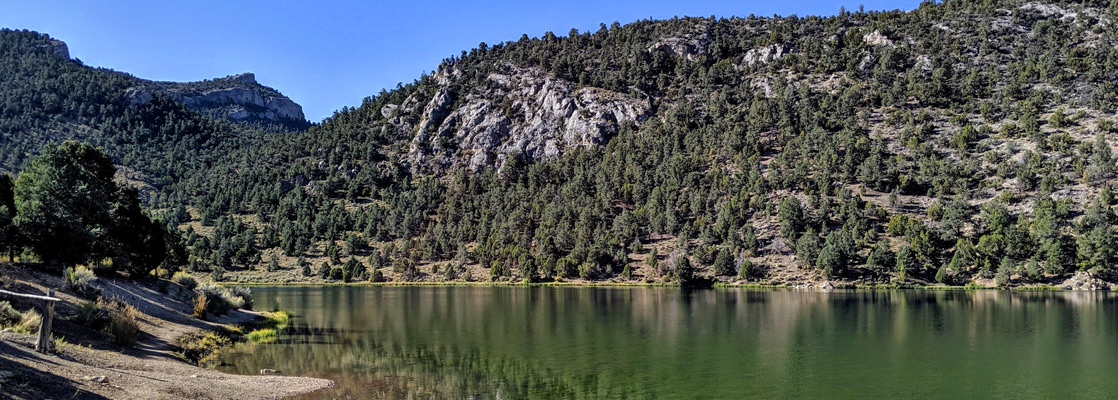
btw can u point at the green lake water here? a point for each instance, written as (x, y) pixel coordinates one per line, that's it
(603, 343)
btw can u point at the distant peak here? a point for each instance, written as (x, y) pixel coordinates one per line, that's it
(246, 77)
(58, 47)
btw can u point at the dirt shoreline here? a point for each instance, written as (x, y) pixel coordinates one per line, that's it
(89, 366)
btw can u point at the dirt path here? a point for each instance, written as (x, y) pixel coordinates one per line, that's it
(147, 371)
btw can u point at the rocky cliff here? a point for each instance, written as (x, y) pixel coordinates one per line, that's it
(520, 112)
(237, 98)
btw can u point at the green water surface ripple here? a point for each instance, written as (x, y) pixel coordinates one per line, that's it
(612, 343)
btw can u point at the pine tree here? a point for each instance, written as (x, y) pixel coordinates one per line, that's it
(881, 258)
(724, 263)
(792, 219)
(304, 266)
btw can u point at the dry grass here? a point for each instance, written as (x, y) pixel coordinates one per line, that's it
(123, 321)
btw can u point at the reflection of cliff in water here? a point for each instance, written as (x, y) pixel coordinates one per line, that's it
(543, 342)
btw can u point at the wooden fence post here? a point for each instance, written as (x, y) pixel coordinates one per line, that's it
(43, 345)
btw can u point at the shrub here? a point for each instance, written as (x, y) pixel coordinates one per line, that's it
(498, 270)
(80, 280)
(245, 294)
(566, 267)
(201, 348)
(218, 273)
(278, 319)
(684, 272)
(589, 271)
(28, 322)
(747, 271)
(122, 322)
(219, 300)
(92, 315)
(8, 315)
(262, 335)
(185, 279)
(162, 273)
(200, 304)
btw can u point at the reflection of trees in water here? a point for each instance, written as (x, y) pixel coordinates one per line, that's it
(365, 368)
(544, 342)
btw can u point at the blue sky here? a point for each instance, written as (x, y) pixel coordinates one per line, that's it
(325, 55)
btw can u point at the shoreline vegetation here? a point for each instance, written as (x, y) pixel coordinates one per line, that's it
(717, 285)
(204, 348)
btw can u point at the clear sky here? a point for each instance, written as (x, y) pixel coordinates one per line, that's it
(329, 54)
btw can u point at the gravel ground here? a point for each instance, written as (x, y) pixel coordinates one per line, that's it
(94, 368)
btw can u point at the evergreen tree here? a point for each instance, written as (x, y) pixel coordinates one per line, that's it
(792, 219)
(724, 263)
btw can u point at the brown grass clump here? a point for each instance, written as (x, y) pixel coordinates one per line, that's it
(123, 321)
(200, 304)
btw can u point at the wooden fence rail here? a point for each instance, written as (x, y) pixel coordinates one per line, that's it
(43, 343)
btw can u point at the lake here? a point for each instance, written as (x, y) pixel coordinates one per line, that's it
(602, 343)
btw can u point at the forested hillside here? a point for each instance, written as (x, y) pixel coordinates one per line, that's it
(46, 97)
(962, 142)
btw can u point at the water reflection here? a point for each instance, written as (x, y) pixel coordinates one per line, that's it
(545, 342)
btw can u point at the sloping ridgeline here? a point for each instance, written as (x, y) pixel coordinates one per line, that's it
(47, 97)
(961, 141)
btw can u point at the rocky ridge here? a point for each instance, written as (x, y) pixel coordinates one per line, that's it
(521, 112)
(237, 98)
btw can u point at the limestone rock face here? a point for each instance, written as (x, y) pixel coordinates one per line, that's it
(59, 47)
(689, 45)
(237, 97)
(765, 55)
(875, 38)
(522, 112)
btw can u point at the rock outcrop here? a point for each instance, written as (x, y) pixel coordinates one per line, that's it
(689, 45)
(1084, 281)
(522, 112)
(765, 55)
(875, 38)
(237, 98)
(59, 47)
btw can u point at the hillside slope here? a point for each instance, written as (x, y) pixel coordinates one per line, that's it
(960, 142)
(159, 130)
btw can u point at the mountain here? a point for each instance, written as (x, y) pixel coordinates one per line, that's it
(156, 130)
(964, 142)
(237, 98)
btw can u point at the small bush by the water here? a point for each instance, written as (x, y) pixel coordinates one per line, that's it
(185, 279)
(202, 348)
(262, 335)
(245, 294)
(220, 300)
(8, 315)
(80, 280)
(277, 319)
(264, 330)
